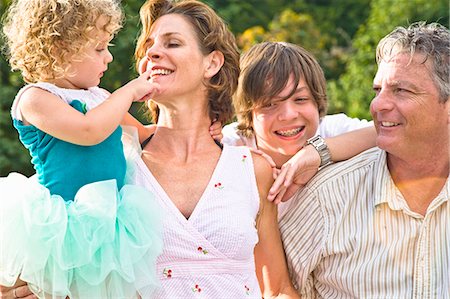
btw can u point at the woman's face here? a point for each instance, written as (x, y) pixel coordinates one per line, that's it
(173, 55)
(283, 127)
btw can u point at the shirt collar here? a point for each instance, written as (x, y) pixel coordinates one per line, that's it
(385, 189)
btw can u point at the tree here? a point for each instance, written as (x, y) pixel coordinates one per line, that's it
(290, 27)
(352, 92)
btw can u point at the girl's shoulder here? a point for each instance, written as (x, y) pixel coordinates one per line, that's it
(29, 90)
(91, 97)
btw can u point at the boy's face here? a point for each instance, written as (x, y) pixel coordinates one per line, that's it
(283, 126)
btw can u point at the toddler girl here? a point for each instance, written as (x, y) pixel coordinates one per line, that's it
(75, 229)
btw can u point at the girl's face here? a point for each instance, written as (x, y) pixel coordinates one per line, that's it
(89, 65)
(283, 127)
(174, 56)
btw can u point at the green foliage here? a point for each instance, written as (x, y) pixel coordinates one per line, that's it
(352, 92)
(341, 34)
(13, 156)
(241, 15)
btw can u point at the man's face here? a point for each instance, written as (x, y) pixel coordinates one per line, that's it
(409, 119)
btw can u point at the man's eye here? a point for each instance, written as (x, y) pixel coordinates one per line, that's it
(376, 90)
(401, 90)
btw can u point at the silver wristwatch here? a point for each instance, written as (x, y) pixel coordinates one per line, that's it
(321, 147)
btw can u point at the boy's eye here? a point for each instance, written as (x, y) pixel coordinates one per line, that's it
(301, 99)
(269, 105)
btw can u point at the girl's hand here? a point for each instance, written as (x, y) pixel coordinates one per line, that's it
(294, 174)
(143, 88)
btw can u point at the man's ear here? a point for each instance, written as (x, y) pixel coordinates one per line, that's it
(447, 106)
(214, 62)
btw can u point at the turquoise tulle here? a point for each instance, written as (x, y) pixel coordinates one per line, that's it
(103, 244)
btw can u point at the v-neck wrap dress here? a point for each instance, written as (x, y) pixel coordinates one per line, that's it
(210, 254)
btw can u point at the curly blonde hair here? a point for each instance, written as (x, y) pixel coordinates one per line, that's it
(44, 36)
(212, 35)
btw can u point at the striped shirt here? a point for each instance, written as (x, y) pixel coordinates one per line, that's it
(350, 234)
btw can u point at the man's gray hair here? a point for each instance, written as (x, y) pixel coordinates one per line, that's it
(431, 40)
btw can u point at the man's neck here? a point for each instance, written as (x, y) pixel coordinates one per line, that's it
(419, 181)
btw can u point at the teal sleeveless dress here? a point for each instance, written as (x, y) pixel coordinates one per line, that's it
(76, 228)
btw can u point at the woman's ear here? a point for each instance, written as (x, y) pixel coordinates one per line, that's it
(214, 62)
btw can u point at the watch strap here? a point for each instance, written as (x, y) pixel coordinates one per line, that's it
(321, 147)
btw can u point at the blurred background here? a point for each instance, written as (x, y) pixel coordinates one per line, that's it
(342, 34)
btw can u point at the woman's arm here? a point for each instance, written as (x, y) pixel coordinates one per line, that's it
(271, 267)
(296, 172)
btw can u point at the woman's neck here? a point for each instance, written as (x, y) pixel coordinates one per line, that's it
(182, 131)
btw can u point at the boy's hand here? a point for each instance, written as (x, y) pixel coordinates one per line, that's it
(216, 130)
(294, 174)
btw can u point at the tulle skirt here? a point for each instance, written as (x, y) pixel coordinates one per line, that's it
(104, 244)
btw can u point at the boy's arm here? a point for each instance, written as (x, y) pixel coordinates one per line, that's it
(296, 172)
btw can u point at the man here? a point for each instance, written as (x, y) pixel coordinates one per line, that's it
(378, 225)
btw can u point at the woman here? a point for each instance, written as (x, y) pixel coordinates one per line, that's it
(212, 197)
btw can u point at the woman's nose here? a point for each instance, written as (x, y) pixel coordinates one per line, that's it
(153, 52)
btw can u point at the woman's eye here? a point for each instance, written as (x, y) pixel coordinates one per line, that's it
(173, 44)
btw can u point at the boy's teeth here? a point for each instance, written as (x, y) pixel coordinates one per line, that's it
(289, 133)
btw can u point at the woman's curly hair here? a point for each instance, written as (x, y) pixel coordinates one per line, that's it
(43, 36)
(212, 35)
